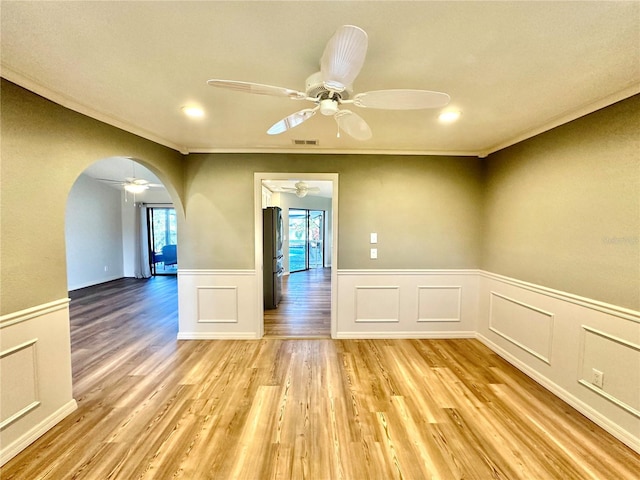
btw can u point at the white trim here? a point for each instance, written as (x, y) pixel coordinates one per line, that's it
(258, 178)
(440, 287)
(589, 385)
(200, 288)
(218, 272)
(546, 359)
(22, 442)
(93, 283)
(405, 335)
(608, 308)
(412, 271)
(565, 118)
(596, 417)
(217, 336)
(72, 104)
(36, 394)
(332, 151)
(33, 312)
(19, 414)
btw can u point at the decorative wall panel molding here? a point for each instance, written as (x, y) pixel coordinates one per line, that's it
(526, 326)
(35, 386)
(559, 339)
(406, 303)
(19, 394)
(590, 303)
(439, 303)
(33, 312)
(217, 304)
(377, 304)
(611, 356)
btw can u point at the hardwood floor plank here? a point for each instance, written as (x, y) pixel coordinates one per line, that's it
(152, 407)
(305, 309)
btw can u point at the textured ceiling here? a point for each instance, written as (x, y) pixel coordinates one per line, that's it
(514, 69)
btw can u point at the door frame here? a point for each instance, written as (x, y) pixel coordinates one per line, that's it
(258, 177)
(307, 248)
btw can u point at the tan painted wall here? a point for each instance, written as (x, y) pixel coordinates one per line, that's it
(562, 210)
(426, 210)
(44, 148)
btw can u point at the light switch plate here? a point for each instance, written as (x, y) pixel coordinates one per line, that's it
(374, 253)
(374, 238)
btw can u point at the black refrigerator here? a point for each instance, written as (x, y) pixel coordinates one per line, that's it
(272, 256)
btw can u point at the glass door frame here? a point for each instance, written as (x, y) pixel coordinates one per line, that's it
(307, 240)
(151, 238)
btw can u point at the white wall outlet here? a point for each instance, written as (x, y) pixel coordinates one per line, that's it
(106, 268)
(598, 378)
(374, 253)
(374, 238)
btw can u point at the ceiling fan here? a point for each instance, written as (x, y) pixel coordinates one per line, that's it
(132, 184)
(301, 189)
(332, 87)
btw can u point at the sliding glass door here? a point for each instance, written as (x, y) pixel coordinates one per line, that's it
(163, 240)
(306, 239)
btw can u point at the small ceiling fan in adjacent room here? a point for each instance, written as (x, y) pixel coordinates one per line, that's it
(301, 189)
(332, 87)
(132, 184)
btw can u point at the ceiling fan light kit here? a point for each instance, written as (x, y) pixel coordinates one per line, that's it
(329, 89)
(135, 187)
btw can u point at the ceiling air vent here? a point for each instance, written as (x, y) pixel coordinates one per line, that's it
(305, 142)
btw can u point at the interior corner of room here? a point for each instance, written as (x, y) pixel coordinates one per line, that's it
(155, 242)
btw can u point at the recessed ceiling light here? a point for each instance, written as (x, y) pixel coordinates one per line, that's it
(193, 112)
(449, 116)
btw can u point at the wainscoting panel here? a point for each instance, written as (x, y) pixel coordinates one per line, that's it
(608, 354)
(525, 326)
(439, 303)
(19, 393)
(218, 304)
(377, 304)
(35, 359)
(559, 339)
(406, 303)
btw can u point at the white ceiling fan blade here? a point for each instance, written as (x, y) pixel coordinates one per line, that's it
(401, 99)
(343, 57)
(292, 121)
(108, 180)
(353, 124)
(257, 88)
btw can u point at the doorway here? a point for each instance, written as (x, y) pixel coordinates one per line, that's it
(328, 247)
(162, 227)
(306, 239)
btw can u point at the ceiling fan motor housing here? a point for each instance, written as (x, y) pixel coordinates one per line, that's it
(314, 88)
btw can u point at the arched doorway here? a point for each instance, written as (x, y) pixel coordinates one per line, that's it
(119, 315)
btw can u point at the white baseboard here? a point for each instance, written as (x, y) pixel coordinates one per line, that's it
(217, 336)
(95, 282)
(589, 412)
(14, 448)
(405, 335)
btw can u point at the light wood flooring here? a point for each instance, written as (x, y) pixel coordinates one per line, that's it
(305, 309)
(152, 407)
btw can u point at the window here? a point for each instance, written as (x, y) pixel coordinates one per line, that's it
(163, 240)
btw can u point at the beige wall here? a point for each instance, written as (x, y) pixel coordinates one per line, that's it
(426, 210)
(44, 148)
(562, 210)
